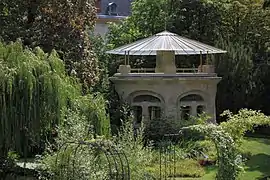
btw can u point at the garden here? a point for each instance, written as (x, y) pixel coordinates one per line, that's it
(60, 117)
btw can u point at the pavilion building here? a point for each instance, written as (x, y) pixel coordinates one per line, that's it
(167, 91)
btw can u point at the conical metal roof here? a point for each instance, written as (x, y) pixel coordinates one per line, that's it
(166, 41)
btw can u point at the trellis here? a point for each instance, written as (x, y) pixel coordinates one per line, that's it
(107, 161)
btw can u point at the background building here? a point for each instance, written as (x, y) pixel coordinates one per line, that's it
(110, 11)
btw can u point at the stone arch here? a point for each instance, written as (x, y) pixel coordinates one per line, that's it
(134, 94)
(204, 95)
(192, 97)
(191, 103)
(146, 97)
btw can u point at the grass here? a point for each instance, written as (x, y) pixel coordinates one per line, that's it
(182, 168)
(257, 167)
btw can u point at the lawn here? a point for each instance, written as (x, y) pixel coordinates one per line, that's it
(257, 167)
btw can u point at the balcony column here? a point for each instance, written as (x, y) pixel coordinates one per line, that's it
(165, 62)
(159, 68)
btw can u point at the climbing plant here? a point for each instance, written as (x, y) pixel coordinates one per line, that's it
(245, 120)
(229, 159)
(34, 90)
(227, 138)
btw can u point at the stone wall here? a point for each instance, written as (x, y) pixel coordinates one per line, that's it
(170, 90)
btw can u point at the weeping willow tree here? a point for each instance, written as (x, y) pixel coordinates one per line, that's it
(34, 89)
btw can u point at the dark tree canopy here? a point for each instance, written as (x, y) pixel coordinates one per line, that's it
(240, 27)
(62, 25)
(266, 4)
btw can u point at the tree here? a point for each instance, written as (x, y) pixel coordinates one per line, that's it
(266, 4)
(34, 91)
(236, 69)
(54, 24)
(241, 27)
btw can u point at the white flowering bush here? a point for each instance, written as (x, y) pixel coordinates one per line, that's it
(227, 138)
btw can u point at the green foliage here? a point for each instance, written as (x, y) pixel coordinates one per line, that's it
(62, 25)
(100, 47)
(229, 160)
(227, 138)
(75, 127)
(183, 168)
(34, 89)
(13, 156)
(60, 160)
(208, 148)
(92, 163)
(266, 4)
(235, 68)
(240, 27)
(246, 120)
(94, 108)
(138, 154)
(157, 128)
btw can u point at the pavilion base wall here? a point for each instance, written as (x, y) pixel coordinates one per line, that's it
(170, 91)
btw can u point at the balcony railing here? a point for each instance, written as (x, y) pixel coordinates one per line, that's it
(152, 70)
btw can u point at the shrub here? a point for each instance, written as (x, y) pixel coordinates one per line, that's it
(227, 138)
(246, 120)
(139, 154)
(229, 159)
(207, 150)
(73, 161)
(157, 128)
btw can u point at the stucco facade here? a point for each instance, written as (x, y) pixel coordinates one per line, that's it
(169, 89)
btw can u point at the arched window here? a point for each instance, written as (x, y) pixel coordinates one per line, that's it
(192, 97)
(137, 112)
(191, 105)
(154, 112)
(151, 106)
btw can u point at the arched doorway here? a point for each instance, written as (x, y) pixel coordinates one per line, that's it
(191, 105)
